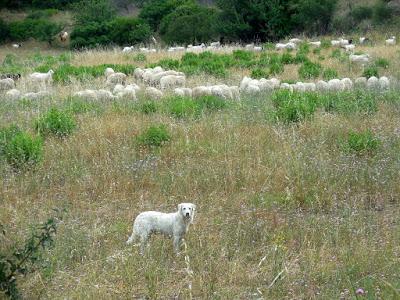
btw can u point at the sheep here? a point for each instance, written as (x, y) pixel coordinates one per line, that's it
(317, 44)
(336, 85)
(115, 78)
(384, 83)
(391, 41)
(235, 92)
(153, 93)
(349, 48)
(16, 46)
(264, 85)
(36, 96)
(363, 58)
(222, 91)
(138, 73)
(281, 46)
(6, 84)
(245, 81)
(348, 84)
(309, 86)
(299, 87)
(192, 48)
(183, 92)
(127, 49)
(257, 48)
(364, 40)
(86, 94)
(172, 81)
(360, 82)
(345, 42)
(13, 76)
(252, 89)
(215, 44)
(200, 91)
(42, 77)
(322, 86)
(128, 92)
(295, 40)
(249, 46)
(286, 86)
(373, 82)
(13, 94)
(275, 83)
(108, 72)
(155, 78)
(63, 35)
(335, 43)
(104, 95)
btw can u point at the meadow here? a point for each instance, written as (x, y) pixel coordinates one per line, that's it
(297, 194)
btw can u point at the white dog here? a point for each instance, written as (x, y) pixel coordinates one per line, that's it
(174, 225)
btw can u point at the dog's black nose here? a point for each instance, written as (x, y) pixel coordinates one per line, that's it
(187, 214)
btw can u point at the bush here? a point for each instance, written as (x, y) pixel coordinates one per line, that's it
(276, 68)
(293, 107)
(189, 24)
(6, 134)
(55, 122)
(259, 73)
(140, 57)
(211, 103)
(90, 35)
(93, 11)
(181, 107)
(382, 12)
(309, 70)
(371, 71)
(361, 13)
(381, 63)
(287, 58)
(154, 136)
(329, 74)
(40, 29)
(148, 107)
(23, 150)
(349, 102)
(362, 142)
(128, 31)
(4, 31)
(42, 14)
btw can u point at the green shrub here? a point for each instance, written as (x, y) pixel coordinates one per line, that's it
(362, 142)
(361, 13)
(40, 29)
(55, 122)
(211, 103)
(349, 102)
(259, 73)
(42, 14)
(154, 136)
(90, 35)
(93, 11)
(6, 134)
(140, 57)
(287, 58)
(381, 12)
(300, 58)
(4, 31)
(381, 63)
(181, 107)
(309, 70)
(78, 106)
(329, 74)
(276, 68)
(325, 44)
(293, 107)
(336, 54)
(148, 107)
(269, 46)
(124, 30)
(23, 150)
(371, 71)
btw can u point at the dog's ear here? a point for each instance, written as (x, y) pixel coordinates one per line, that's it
(180, 207)
(194, 206)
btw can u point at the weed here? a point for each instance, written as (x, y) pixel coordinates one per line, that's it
(309, 70)
(329, 74)
(181, 107)
(371, 71)
(259, 73)
(148, 107)
(154, 136)
(55, 122)
(381, 63)
(140, 57)
(362, 142)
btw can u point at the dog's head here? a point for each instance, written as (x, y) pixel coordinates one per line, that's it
(187, 210)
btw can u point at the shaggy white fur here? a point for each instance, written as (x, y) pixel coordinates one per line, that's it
(174, 225)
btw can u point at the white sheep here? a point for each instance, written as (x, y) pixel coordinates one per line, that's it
(42, 77)
(36, 96)
(265, 85)
(6, 84)
(299, 87)
(310, 86)
(348, 84)
(138, 73)
(322, 86)
(200, 91)
(128, 49)
(245, 81)
(86, 94)
(222, 91)
(16, 46)
(336, 85)
(363, 40)
(391, 41)
(360, 82)
(104, 95)
(172, 81)
(235, 92)
(108, 72)
(183, 92)
(153, 93)
(249, 46)
(349, 48)
(155, 78)
(116, 78)
(345, 42)
(362, 58)
(257, 48)
(316, 44)
(373, 82)
(295, 40)
(13, 94)
(252, 89)
(286, 86)
(215, 44)
(335, 43)
(384, 83)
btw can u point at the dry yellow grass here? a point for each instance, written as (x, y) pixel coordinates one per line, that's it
(283, 211)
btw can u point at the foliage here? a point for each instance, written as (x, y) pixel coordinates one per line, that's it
(4, 31)
(6, 134)
(140, 57)
(41, 29)
(329, 74)
(55, 122)
(309, 70)
(361, 13)
(90, 35)
(181, 107)
(22, 261)
(362, 142)
(382, 13)
(189, 24)
(23, 150)
(382, 63)
(371, 71)
(259, 73)
(154, 136)
(93, 11)
(148, 107)
(128, 31)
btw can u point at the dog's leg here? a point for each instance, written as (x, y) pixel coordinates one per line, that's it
(143, 243)
(177, 243)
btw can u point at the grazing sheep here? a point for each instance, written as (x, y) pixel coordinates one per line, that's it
(42, 77)
(373, 82)
(363, 58)
(257, 48)
(155, 78)
(128, 49)
(317, 44)
(265, 85)
(197, 48)
(108, 72)
(295, 40)
(281, 46)
(16, 46)
(222, 91)
(215, 44)
(153, 93)
(138, 73)
(172, 81)
(86, 94)
(384, 83)
(200, 91)
(299, 87)
(13, 94)
(244, 83)
(36, 96)
(286, 86)
(322, 86)
(336, 85)
(174, 225)
(235, 92)
(348, 84)
(349, 48)
(360, 82)
(6, 84)
(183, 92)
(345, 42)
(364, 40)
(309, 87)
(249, 46)
(116, 78)
(252, 89)
(335, 43)
(391, 41)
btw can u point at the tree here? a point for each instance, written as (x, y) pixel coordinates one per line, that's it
(128, 31)
(98, 11)
(189, 24)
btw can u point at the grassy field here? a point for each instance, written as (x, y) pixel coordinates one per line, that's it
(300, 206)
